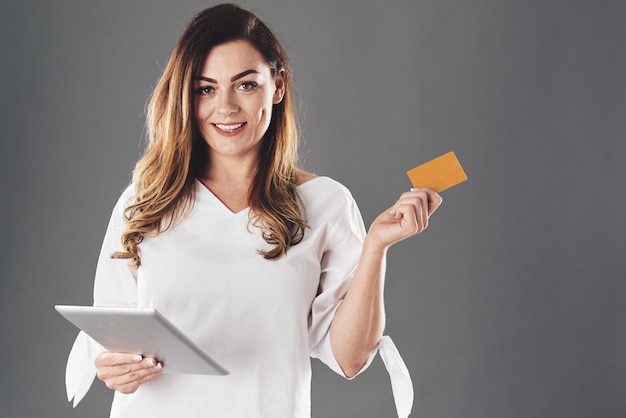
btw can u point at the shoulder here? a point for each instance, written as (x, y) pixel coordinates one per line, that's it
(312, 183)
(322, 188)
(303, 177)
(326, 197)
(126, 197)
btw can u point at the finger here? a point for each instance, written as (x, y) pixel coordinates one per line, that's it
(409, 219)
(150, 369)
(109, 371)
(128, 382)
(126, 389)
(422, 210)
(434, 199)
(418, 199)
(132, 386)
(411, 195)
(107, 359)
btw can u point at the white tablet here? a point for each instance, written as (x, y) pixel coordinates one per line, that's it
(144, 331)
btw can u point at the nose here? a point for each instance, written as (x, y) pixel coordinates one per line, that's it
(226, 102)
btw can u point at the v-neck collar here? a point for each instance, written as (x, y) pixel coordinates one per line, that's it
(205, 190)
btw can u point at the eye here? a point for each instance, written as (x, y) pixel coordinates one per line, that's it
(248, 85)
(204, 90)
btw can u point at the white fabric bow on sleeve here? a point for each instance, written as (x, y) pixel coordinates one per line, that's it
(401, 384)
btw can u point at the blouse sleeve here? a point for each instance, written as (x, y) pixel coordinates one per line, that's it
(341, 255)
(342, 249)
(114, 285)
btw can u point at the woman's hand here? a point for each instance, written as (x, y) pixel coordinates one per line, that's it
(409, 216)
(125, 372)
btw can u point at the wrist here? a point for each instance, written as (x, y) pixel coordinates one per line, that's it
(375, 246)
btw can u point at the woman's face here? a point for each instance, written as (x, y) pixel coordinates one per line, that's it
(234, 94)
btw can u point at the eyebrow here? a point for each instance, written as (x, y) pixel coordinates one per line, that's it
(233, 78)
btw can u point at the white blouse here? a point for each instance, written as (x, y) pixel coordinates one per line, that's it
(261, 319)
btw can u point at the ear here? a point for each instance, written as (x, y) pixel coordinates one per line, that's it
(279, 81)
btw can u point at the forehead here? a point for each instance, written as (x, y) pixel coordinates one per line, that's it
(232, 58)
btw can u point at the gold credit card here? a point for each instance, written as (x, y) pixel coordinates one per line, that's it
(439, 174)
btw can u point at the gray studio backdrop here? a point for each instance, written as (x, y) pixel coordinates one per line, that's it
(509, 305)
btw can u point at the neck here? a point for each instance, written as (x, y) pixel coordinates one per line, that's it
(230, 180)
(230, 170)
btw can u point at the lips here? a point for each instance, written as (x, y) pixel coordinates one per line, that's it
(229, 128)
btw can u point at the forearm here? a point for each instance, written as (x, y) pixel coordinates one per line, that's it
(359, 321)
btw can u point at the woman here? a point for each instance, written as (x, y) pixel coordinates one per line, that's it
(259, 262)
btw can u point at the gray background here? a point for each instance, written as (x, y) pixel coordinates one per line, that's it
(509, 305)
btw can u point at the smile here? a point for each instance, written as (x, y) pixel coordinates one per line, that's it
(229, 128)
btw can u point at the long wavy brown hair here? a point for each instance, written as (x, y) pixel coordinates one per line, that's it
(164, 177)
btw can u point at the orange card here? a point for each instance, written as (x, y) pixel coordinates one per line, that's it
(439, 174)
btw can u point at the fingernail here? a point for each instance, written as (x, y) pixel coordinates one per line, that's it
(151, 362)
(137, 358)
(159, 365)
